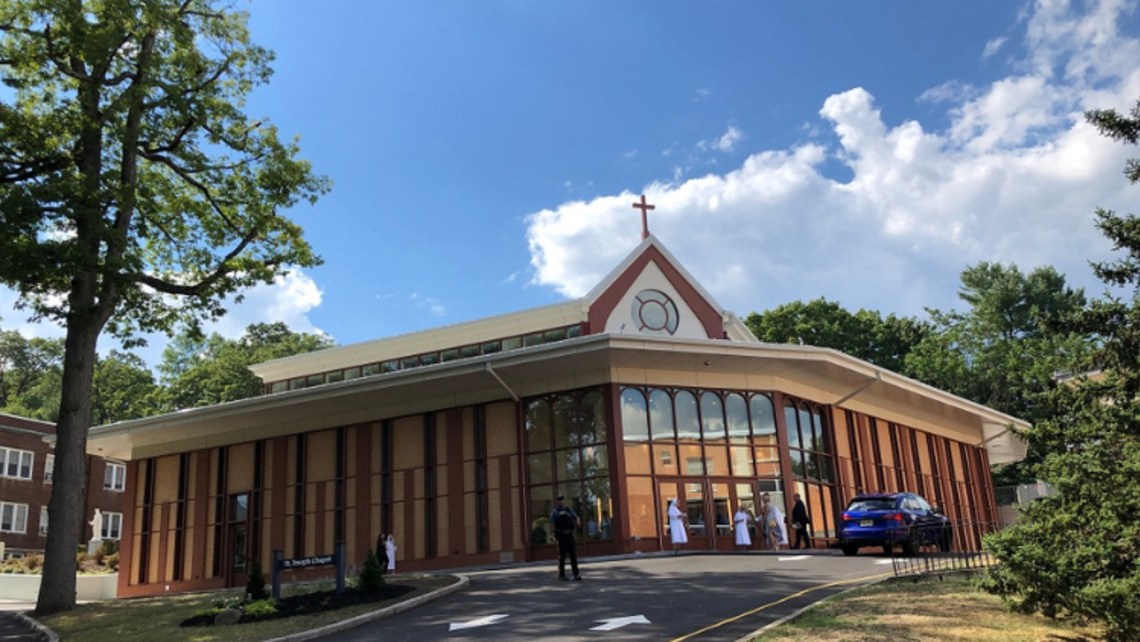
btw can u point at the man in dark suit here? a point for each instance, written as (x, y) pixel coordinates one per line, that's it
(800, 522)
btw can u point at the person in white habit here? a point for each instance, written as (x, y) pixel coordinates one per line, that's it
(390, 549)
(774, 521)
(743, 539)
(678, 530)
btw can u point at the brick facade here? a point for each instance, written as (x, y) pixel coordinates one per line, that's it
(19, 435)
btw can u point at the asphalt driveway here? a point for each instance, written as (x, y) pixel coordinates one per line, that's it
(687, 597)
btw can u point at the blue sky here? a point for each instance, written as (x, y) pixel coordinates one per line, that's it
(485, 154)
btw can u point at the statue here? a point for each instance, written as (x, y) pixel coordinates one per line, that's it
(96, 533)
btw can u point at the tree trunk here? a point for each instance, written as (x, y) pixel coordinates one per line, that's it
(69, 484)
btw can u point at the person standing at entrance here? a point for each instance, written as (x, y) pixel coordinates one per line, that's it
(774, 522)
(390, 549)
(565, 520)
(678, 529)
(382, 552)
(743, 539)
(800, 522)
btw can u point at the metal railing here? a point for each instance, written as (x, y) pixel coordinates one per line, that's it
(963, 554)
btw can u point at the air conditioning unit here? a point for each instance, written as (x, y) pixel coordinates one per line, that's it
(48, 476)
(43, 529)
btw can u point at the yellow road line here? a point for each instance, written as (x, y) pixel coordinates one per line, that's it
(781, 601)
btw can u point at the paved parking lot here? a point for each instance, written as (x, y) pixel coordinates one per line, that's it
(687, 597)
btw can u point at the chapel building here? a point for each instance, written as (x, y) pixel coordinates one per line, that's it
(457, 440)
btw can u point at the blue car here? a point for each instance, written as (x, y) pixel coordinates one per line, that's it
(904, 520)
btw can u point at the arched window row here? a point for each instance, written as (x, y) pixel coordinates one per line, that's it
(657, 414)
(805, 426)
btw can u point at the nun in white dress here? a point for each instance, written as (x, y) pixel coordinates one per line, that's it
(741, 520)
(677, 531)
(777, 530)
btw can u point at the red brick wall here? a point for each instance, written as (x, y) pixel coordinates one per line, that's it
(28, 435)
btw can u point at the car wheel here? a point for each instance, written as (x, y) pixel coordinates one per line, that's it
(909, 547)
(888, 549)
(849, 549)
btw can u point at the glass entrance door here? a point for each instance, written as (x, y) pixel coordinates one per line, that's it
(238, 538)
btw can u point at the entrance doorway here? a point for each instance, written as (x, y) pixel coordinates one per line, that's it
(709, 504)
(237, 538)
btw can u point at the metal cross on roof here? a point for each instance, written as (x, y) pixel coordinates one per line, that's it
(644, 207)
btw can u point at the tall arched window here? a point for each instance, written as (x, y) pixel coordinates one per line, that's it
(634, 426)
(688, 423)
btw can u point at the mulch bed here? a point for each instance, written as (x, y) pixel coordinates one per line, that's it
(318, 602)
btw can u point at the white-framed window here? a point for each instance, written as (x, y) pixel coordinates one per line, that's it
(112, 526)
(115, 477)
(16, 464)
(13, 518)
(43, 520)
(49, 468)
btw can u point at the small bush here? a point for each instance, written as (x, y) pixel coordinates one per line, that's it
(33, 562)
(112, 562)
(80, 558)
(255, 585)
(110, 547)
(223, 603)
(98, 555)
(371, 576)
(260, 608)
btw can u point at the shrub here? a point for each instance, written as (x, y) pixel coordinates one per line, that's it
(210, 613)
(98, 555)
(255, 585)
(260, 608)
(371, 576)
(32, 563)
(110, 547)
(112, 562)
(80, 558)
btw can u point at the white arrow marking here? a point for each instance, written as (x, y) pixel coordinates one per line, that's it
(483, 621)
(885, 562)
(794, 558)
(618, 622)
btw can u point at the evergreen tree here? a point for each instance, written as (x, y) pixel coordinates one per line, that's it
(1077, 553)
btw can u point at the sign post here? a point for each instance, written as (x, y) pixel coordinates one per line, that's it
(337, 559)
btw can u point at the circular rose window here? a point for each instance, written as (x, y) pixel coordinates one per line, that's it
(654, 313)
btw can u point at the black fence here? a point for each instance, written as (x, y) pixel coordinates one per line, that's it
(910, 556)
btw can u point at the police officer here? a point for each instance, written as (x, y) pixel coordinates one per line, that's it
(565, 520)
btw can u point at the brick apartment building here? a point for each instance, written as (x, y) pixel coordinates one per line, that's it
(26, 465)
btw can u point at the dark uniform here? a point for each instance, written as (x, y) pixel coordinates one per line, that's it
(800, 521)
(565, 520)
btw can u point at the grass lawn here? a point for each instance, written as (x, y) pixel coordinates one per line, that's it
(953, 609)
(156, 619)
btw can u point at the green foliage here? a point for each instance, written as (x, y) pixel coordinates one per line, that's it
(255, 583)
(865, 334)
(260, 608)
(371, 576)
(212, 370)
(1077, 553)
(1006, 349)
(136, 195)
(112, 562)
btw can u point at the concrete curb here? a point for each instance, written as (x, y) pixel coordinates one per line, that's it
(788, 618)
(365, 618)
(49, 635)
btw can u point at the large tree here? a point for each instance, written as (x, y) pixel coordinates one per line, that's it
(1005, 349)
(1077, 553)
(866, 334)
(135, 193)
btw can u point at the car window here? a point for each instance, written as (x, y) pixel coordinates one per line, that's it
(922, 504)
(910, 504)
(871, 504)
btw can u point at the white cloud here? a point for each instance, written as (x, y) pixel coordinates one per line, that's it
(993, 46)
(629, 154)
(431, 304)
(725, 143)
(700, 95)
(1014, 177)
